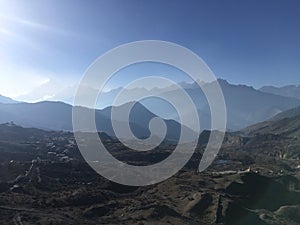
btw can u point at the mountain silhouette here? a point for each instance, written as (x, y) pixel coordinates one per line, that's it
(287, 91)
(58, 116)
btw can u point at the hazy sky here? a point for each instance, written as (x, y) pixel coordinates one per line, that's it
(249, 42)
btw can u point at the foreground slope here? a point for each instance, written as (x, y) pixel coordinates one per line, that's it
(43, 180)
(286, 123)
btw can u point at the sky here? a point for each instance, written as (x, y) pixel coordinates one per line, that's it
(50, 44)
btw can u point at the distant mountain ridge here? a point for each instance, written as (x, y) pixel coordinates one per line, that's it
(245, 106)
(287, 91)
(58, 116)
(4, 99)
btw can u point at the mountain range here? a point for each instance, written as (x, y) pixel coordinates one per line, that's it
(58, 116)
(245, 106)
(287, 91)
(4, 99)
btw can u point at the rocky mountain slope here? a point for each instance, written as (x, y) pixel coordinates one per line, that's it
(43, 180)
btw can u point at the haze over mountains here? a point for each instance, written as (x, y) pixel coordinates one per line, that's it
(288, 91)
(245, 106)
(58, 116)
(285, 123)
(4, 99)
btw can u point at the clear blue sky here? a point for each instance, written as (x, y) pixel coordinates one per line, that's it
(254, 42)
